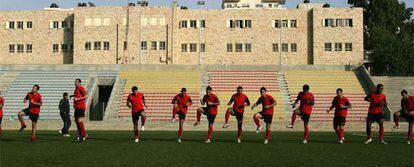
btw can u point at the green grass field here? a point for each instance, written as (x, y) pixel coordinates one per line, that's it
(116, 148)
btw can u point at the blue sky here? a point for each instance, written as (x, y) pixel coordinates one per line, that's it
(40, 4)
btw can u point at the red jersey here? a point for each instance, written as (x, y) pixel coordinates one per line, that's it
(80, 92)
(306, 102)
(182, 102)
(136, 101)
(36, 97)
(377, 102)
(408, 103)
(266, 101)
(339, 104)
(238, 101)
(2, 104)
(212, 98)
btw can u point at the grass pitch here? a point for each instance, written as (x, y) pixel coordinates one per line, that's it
(159, 148)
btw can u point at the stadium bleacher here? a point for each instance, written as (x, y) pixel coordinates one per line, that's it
(159, 88)
(52, 85)
(323, 85)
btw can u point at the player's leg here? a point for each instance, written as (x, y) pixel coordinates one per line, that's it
(1, 130)
(227, 117)
(135, 118)
(62, 116)
(174, 112)
(256, 119)
(239, 117)
(336, 127)
(268, 132)
(33, 131)
(410, 132)
(381, 130)
(368, 129)
(210, 129)
(396, 116)
(342, 130)
(20, 115)
(82, 128)
(306, 133)
(181, 125)
(199, 112)
(143, 119)
(68, 124)
(293, 120)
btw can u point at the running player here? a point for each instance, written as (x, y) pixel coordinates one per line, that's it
(79, 103)
(211, 101)
(375, 112)
(136, 102)
(1, 110)
(407, 112)
(268, 103)
(181, 103)
(305, 109)
(239, 101)
(35, 101)
(341, 105)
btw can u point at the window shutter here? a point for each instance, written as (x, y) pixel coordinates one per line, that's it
(273, 24)
(51, 24)
(198, 24)
(7, 25)
(228, 23)
(323, 23)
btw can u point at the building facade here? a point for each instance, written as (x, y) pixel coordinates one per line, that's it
(309, 34)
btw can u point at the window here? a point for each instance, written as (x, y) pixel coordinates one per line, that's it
(125, 45)
(71, 47)
(64, 24)
(277, 24)
(231, 23)
(143, 45)
(11, 25)
(11, 48)
(293, 47)
(248, 23)
(239, 24)
(162, 45)
(202, 23)
(284, 23)
(153, 45)
(97, 45)
(285, 47)
(293, 23)
(20, 25)
(203, 47)
(193, 47)
(348, 22)
(239, 47)
(348, 46)
(106, 45)
(184, 24)
(248, 47)
(55, 24)
(259, 5)
(55, 48)
(193, 23)
(88, 45)
(328, 46)
(328, 23)
(275, 47)
(339, 22)
(183, 47)
(29, 48)
(72, 24)
(65, 48)
(338, 46)
(29, 24)
(245, 5)
(229, 47)
(20, 48)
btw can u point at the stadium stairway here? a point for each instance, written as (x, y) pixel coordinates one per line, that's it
(323, 85)
(159, 88)
(52, 85)
(393, 87)
(225, 82)
(6, 79)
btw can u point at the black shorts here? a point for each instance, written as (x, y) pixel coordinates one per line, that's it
(409, 118)
(1, 118)
(210, 117)
(304, 117)
(266, 118)
(79, 113)
(338, 121)
(375, 117)
(135, 115)
(239, 116)
(181, 115)
(32, 117)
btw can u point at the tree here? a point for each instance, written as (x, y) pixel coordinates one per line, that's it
(388, 36)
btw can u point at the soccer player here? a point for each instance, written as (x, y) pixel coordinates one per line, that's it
(181, 103)
(35, 101)
(304, 111)
(211, 101)
(341, 105)
(407, 112)
(79, 103)
(1, 110)
(64, 108)
(136, 101)
(375, 113)
(268, 103)
(239, 101)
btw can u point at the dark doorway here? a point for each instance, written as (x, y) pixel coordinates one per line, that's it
(99, 102)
